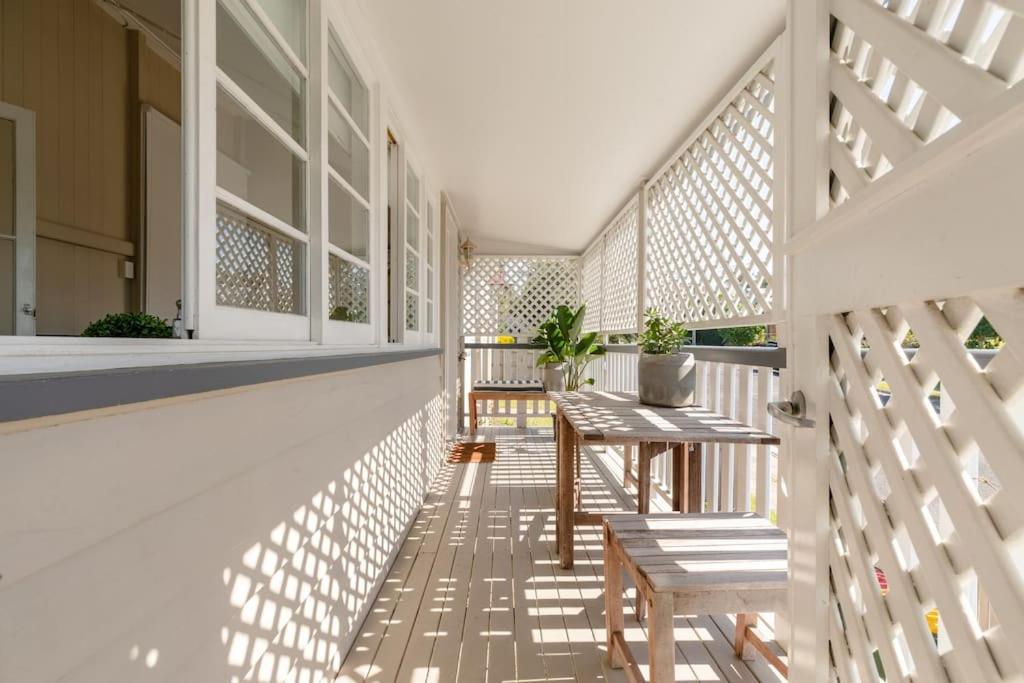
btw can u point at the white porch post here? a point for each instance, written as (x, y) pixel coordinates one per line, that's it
(805, 106)
(317, 170)
(641, 256)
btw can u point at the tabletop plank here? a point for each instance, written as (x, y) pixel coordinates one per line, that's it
(619, 417)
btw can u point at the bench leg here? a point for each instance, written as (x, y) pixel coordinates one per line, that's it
(566, 519)
(614, 622)
(661, 638)
(743, 622)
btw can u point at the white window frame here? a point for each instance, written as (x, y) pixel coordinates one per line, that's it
(335, 331)
(413, 337)
(212, 320)
(431, 279)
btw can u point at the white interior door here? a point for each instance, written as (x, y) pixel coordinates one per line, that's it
(17, 221)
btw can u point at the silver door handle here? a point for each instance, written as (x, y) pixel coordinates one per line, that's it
(792, 412)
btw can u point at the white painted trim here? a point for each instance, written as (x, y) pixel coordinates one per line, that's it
(254, 110)
(255, 212)
(24, 216)
(340, 181)
(279, 40)
(343, 112)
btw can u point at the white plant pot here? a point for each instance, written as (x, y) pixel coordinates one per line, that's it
(668, 380)
(553, 377)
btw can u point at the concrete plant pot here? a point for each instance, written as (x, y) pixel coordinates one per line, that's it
(553, 377)
(668, 380)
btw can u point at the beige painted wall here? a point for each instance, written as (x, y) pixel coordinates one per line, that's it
(72, 64)
(199, 539)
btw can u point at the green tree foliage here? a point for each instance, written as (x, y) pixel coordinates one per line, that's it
(753, 335)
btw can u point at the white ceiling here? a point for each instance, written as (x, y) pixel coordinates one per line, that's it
(541, 117)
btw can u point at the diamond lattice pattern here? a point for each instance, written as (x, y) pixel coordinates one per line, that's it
(709, 217)
(348, 290)
(257, 267)
(904, 72)
(514, 295)
(592, 285)
(618, 309)
(926, 475)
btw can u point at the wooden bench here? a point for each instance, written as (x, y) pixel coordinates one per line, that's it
(711, 563)
(510, 391)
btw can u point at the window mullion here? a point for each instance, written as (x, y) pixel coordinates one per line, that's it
(317, 169)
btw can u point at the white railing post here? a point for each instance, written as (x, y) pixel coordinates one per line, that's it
(641, 257)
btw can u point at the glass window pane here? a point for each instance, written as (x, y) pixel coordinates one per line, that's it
(348, 221)
(412, 229)
(412, 271)
(257, 267)
(250, 58)
(289, 18)
(412, 312)
(348, 289)
(430, 284)
(430, 249)
(255, 166)
(348, 87)
(430, 316)
(347, 154)
(412, 189)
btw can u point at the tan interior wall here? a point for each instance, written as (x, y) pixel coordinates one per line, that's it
(70, 62)
(203, 538)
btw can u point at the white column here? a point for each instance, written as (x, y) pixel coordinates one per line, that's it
(317, 170)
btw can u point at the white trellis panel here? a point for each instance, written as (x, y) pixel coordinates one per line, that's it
(619, 300)
(709, 214)
(514, 294)
(592, 285)
(904, 72)
(926, 474)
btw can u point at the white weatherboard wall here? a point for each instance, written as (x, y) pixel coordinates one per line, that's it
(237, 535)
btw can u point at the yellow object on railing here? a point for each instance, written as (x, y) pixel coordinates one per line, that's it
(506, 340)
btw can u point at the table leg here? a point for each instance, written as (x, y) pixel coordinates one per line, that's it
(661, 639)
(472, 414)
(680, 463)
(555, 422)
(694, 500)
(627, 466)
(566, 448)
(614, 621)
(643, 494)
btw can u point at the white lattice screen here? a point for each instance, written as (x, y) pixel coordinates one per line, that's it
(906, 71)
(619, 299)
(927, 470)
(709, 216)
(592, 285)
(514, 294)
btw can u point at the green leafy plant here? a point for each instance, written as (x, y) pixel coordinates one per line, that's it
(661, 336)
(132, 325)
(564, 343)
(752, 335)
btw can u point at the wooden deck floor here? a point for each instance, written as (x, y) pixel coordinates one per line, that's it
(476, 593)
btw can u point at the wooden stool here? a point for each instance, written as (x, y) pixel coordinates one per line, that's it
(668, 555)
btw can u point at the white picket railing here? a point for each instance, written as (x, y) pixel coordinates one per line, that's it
(737, 383)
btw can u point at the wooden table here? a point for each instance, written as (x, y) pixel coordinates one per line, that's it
(618, 418)
(708, 563)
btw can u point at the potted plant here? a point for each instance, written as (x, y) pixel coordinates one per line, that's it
(666, 374)
(567, 352)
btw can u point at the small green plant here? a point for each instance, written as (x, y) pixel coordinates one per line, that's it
(131, 325)
(561, 336)
(752, 335)
(661, 336)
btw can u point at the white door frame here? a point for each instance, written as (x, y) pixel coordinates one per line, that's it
(24, 216)
(451, 326)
